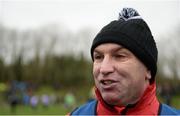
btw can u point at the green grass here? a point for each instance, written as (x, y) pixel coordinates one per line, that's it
(80, 94)
(59, 109)
(174, 103)
(40, 110)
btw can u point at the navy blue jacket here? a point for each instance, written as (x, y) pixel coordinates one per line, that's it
(90, 109)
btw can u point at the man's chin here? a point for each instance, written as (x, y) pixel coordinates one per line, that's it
(113, 101)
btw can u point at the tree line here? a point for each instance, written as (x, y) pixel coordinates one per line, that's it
(60, 71)
(54, 55)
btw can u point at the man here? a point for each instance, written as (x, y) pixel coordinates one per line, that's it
(124, 56)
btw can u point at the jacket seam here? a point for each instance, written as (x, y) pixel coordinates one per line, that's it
(160, 109)
(95, 109)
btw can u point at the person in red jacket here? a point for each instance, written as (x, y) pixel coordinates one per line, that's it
(124, 56)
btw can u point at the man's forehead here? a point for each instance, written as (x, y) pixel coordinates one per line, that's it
(109, 47)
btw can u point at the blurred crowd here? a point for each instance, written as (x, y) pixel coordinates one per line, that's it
(16, 93)
(21, 93)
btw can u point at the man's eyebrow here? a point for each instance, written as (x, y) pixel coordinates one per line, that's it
(113, 49)
(118, 48)
(96, 51)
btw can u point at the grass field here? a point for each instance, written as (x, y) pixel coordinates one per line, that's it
(175, 102)
(40, 110)
(58, 109)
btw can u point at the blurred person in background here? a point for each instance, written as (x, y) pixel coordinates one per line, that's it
(167, 93)
(34, 101)
(124, 55)
(45, 100)
(69, 100)
(12, 95)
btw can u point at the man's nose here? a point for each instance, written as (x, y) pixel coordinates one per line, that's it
(107, 66)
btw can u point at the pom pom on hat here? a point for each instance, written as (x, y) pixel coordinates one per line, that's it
(129, 13)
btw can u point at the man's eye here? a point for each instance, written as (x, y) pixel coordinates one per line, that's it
(97, 57)
(119, 56)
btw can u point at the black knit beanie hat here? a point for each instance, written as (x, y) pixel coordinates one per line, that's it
(132, 32)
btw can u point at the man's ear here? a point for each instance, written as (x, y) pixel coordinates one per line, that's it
(148, 75)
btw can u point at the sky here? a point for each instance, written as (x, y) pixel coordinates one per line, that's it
(161, 15)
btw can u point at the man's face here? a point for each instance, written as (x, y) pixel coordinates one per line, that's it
(119, 76)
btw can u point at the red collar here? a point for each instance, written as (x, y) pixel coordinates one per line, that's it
(148, 104)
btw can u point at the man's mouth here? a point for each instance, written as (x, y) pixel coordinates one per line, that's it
(107, 82)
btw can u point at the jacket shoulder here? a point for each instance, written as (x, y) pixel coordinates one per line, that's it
(167, 110)
(87, 109)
